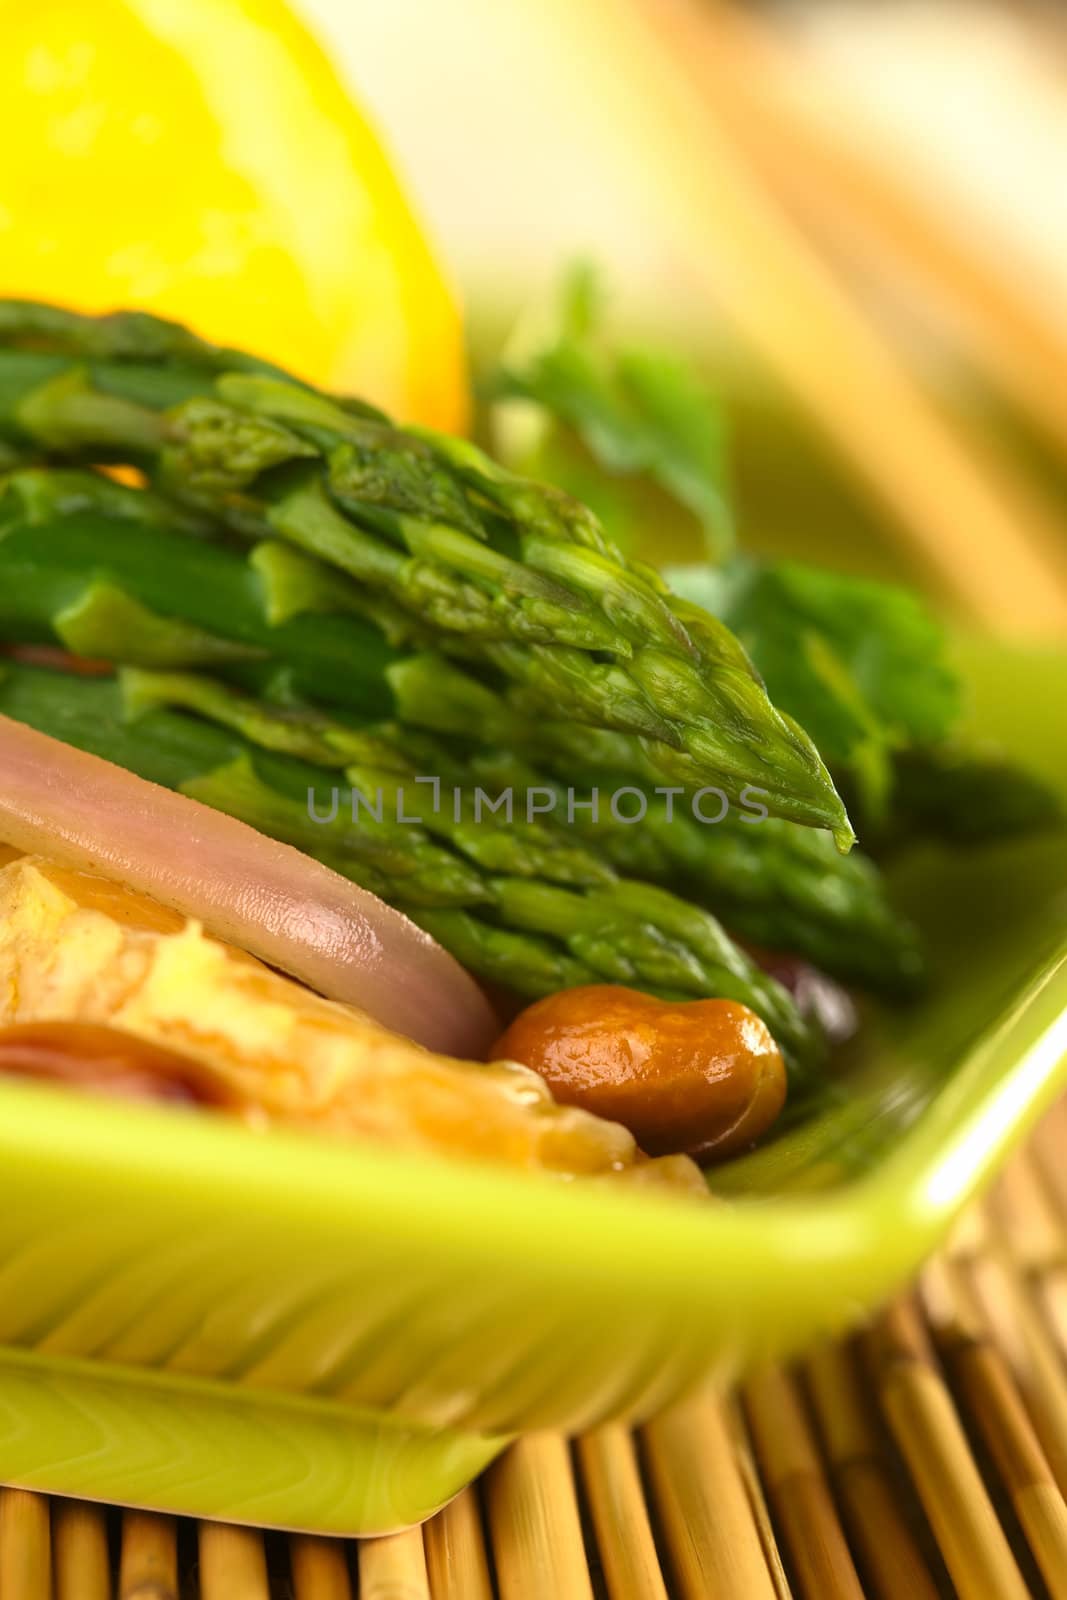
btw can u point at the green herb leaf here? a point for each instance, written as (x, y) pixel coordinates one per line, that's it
(637, 411)
(967, 797)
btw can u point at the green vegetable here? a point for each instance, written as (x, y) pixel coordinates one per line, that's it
(860, 664)
(965, 797)
(638, 412)
(128, 336)
(12, 455)
(782, 887)
(120, 587)
(519, 904)
(87, 564)
(504, 571)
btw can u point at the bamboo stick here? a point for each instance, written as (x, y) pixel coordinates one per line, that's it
(319, 1568)
(930, 1438)
(793, 118)
(969, 1234)
(1031, 1353)
(797, 1490)
(455, 1551)
(233, 1563)
(982, 536)
(535, 1523)
(80, 1556)
(148, 1565)
(1048, 1277)
(1049, 1290)
(25, 1546)
(1031, 1227)
(757, 1500)
(1024, 1216)
(608, 1462)
(986, 1387)
(889, 1557)
(393, 1567)
(699, 1492)
(1048, 1145)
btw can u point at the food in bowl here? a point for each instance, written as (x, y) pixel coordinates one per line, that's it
(412, 729)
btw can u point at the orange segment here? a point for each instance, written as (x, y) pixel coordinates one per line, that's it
(201, 158)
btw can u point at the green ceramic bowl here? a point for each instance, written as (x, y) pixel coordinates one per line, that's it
(274, 1330)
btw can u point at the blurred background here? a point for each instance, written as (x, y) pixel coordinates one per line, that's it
(966, 98)
(891, 176)
(851, 217)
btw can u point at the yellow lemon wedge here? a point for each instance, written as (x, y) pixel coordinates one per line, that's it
(201, 158)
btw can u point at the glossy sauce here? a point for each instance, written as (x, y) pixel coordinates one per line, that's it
(702, 1077)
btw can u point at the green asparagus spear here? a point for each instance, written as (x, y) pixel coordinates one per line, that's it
(124, 587)
(783, 887)
(528, 932)
(775, 883)
(120, 336)
(779, 886)
(624, 932)
(515, 572)
(380, 768)
(88, 564)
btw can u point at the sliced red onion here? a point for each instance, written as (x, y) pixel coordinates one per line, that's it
(245, 888)
(817, 995)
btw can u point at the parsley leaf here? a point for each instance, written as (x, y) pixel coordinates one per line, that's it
(635, 410)
(967, 797)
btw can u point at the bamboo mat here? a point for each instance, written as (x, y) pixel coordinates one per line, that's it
(926, 1457)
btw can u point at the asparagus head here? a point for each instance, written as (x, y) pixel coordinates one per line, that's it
(506, 572)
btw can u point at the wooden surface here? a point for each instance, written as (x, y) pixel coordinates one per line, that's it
(925, 1458)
